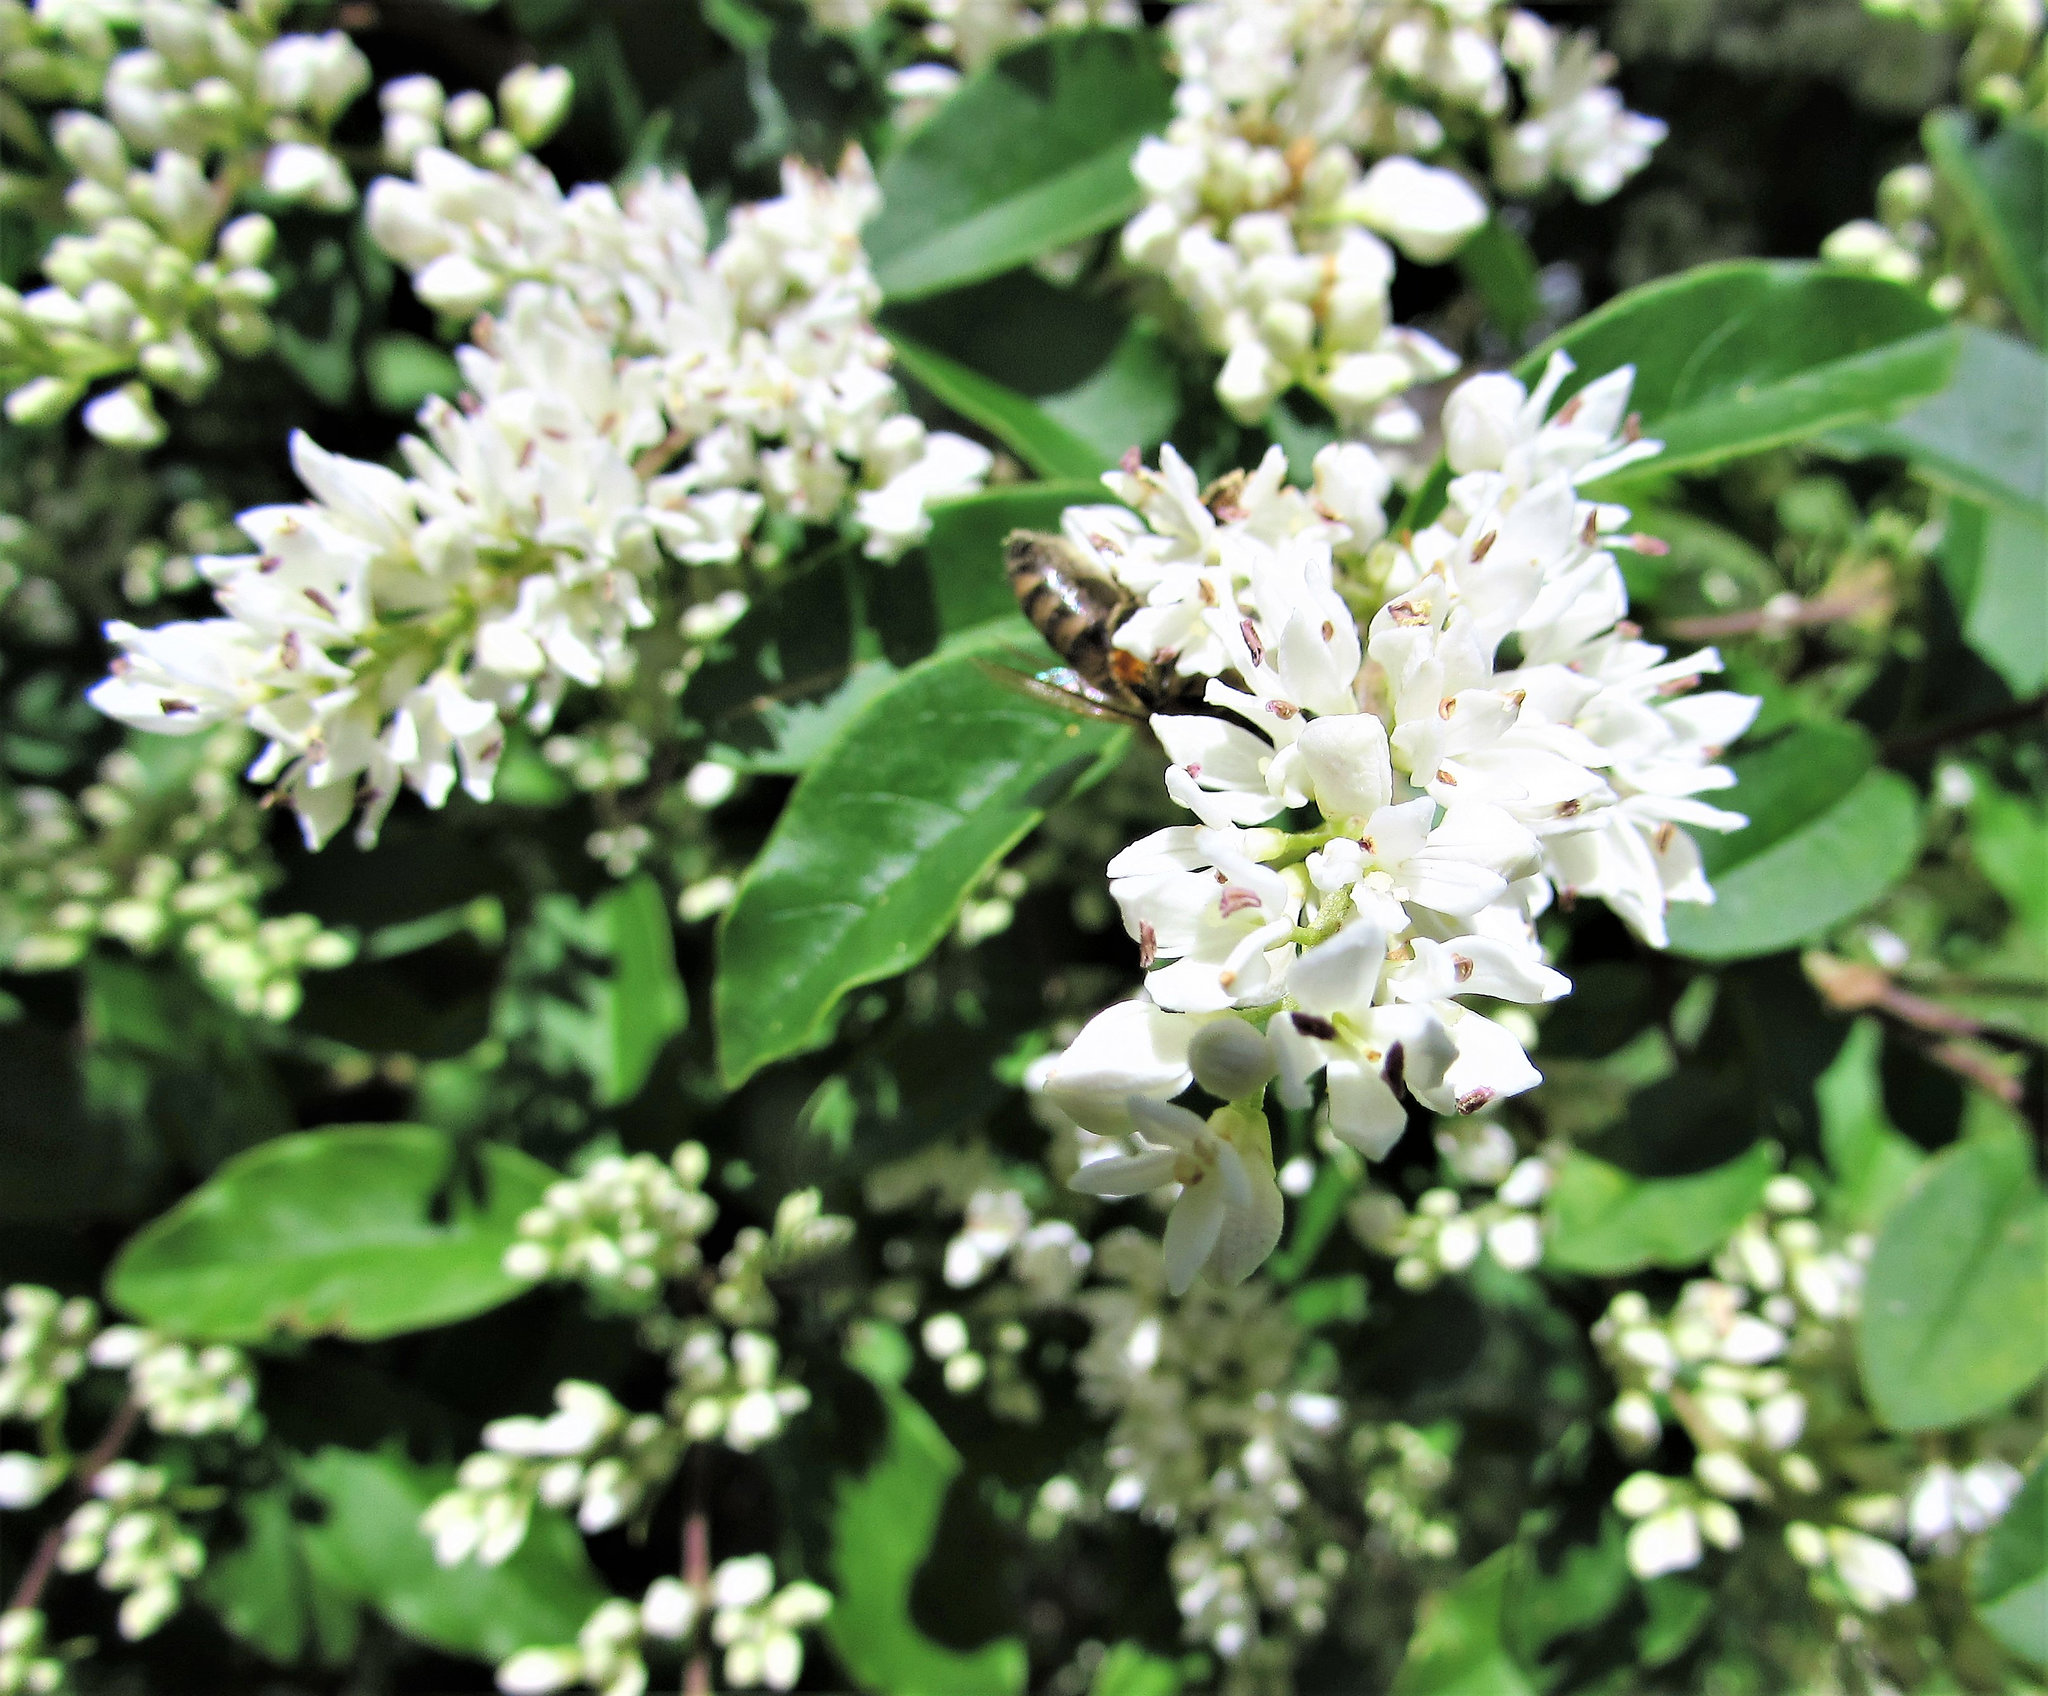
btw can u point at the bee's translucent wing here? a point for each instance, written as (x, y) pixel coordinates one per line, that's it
(1063, 688)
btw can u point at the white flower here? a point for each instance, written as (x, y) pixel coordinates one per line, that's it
(1876, 1575)
(1426, 211)
(1228, 1214)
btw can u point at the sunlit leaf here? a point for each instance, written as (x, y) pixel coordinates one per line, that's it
(363, 1231)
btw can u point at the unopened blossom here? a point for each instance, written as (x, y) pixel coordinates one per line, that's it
(1312, 140)
(1447, 798)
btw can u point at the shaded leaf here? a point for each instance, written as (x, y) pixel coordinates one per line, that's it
(2009, 1578)
(1459, 1647)
(1991, 560)
(2002, 186)
(1955, 1303)
(1828, 834)
(1984, 435)
(932, 782)
(1600, 1219)
(369, 1538)
(1031, 154)
(267, 1592)
(1872, 1160)
(882, 1528)
(644, 1003)
(365, 1231)
(1043, 443)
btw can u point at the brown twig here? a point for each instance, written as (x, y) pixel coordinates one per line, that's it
(1959, 730)
(697, 1573)
(1949, 1037)
(1776, 617)
(43, 1562)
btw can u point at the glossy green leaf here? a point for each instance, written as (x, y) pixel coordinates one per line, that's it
(934, 781)
(1043, 443)
(1459, 1647)
(1601, 1219)
(1871, 1159)
(1984, 435)
(2009, 1578)
(369, 1537)
(1829, 832)
(1993, 559)
(2001, 184)
(1731, 359)
(1033, 153)
(882, 1528)
(644, 1003)
(361, 1231)
(1955, 1303)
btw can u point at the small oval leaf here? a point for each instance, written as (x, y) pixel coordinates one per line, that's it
(360, 1231)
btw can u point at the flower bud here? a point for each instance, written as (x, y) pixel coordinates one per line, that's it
(91, 146)
(468, 116)
(42, 400)
(1426, 211)
(1231, 1060)
(247, 241)
(534, 99)
(125, 418)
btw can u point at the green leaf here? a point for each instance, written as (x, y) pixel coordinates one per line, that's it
(1732, 359)
(1678, 1610)
(1033, 153)
(1955, 1305)
(1127, 1670)
(1872, 1160)
(1984, 436)
(882, 1528)
(1828, 834)
(964, 553)
(269, 1593)
(2009, 1578)
(932, 783)
(1501, 269)
(362, 1231)
(1046, 445)
(644, 1002)
(1459, 1647)
(1072, 357)
(2002, 186)
(1602, 1220)
(402, 371)
(1990, 558)
(370, 1539)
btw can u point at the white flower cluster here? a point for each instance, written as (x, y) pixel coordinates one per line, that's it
(589, 1453)
(132, 1535)
(1210, 1437)
(640, 398)
(1750, 1364)
(154, 277)
(1449, 796)
(623, 1227)
(419, 114)
(755, 1623)
(42, 1350)
(1261, 213)
(1442, 1235)
(156, 852)
(1908, 240)
(25, 1668)
(964, 35)
(183, 1391)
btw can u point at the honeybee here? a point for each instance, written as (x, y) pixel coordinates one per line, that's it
(1078, 611)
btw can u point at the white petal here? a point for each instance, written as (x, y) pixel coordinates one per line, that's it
(1191, 1232)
